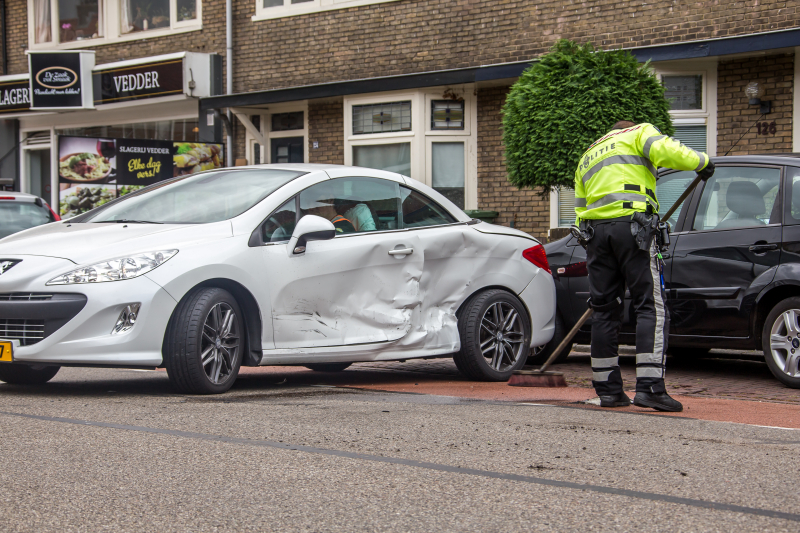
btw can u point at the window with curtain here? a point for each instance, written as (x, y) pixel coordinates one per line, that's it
(695, 137)
(566, 207)
(391, 157)
(42, 31)
(448, 172)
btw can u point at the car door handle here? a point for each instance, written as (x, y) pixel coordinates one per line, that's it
(402, 251)
(762, 248)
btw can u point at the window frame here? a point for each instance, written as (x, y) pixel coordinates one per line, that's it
(111, 24)
(697, 197)
(314, 6)
(421, 135)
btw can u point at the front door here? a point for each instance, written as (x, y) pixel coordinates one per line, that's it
(287, 150)
(733, 239)
(359, 287)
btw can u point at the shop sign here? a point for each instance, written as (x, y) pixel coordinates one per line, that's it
(136, 82)
(93, 171)
(15, 96)
(58, 79)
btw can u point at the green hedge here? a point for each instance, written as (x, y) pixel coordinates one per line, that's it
(567, 100)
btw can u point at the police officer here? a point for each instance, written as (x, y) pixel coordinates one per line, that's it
(615, 180)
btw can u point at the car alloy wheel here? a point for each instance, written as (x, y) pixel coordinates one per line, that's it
(495, 336)
(784, 342)
(502, 336)
(220, 344)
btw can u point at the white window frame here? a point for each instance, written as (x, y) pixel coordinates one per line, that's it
(421, 135)
(313, 6)
(110, 21)
(266, 131)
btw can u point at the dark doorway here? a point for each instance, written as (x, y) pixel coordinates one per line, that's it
(287, 150)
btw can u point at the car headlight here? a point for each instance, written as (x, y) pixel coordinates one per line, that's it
(116, 269)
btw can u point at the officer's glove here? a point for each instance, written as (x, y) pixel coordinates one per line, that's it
(707, 172)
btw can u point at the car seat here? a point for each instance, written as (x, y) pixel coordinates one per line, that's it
(746, 200)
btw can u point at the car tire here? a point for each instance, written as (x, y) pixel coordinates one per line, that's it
(778, 351)
(204, 347)
(539, 357)
(327, 367)
(479, 335)
(17, 374)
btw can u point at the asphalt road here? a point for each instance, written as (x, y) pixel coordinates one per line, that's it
(99, 450)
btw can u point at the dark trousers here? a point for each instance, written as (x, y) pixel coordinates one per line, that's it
(614, 261)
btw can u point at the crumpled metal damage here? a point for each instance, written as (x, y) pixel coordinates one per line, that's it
(350, 291)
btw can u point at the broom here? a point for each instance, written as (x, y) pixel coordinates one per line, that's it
(542, 378)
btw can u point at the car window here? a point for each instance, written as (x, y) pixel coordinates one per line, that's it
(16, 215)
(419, 210)
(669, 187)
(354, 205)
(280, 224)
(739, 197)
(793, 196)
(197, 198)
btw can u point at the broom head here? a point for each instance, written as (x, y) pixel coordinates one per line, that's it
(537, 378)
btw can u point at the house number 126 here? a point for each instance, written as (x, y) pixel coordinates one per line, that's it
(766, 128)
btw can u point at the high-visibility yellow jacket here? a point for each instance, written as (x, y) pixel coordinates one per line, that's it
(617, 175)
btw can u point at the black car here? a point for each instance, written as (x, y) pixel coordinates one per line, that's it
(732, 270)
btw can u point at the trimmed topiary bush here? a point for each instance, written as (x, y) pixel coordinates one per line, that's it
(568, 99)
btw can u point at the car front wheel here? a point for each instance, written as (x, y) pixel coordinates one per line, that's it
(17, 374)
(781, 341)
(205, 342)
(495, 336)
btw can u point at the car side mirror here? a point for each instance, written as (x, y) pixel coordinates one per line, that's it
(310, 228)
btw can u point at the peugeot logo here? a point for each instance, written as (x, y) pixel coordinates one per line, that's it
(6, 264)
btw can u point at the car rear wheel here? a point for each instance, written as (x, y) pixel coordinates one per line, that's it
(327, 367)
(205, 342)
(17, 374)
(539, 356)
(495, 336)
(780, 340)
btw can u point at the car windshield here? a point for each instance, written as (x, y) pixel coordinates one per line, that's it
(196, 199)
(16, 215)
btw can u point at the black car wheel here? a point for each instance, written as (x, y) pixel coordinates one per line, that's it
(539, 356)
(327, 367)
(495, 336)
(780, 340)
(17, 374)
(205, 342)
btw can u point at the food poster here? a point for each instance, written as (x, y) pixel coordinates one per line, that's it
(95, 171)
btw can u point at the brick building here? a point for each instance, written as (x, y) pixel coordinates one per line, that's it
(418, 85)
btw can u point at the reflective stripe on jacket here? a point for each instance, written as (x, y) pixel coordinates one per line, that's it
(617, 175)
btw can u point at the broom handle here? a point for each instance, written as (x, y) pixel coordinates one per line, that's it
(582, 320)
(567, 339)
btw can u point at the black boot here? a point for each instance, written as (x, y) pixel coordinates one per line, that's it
(615, 400)
(660, 401)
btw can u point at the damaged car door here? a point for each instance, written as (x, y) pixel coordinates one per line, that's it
(360, 287)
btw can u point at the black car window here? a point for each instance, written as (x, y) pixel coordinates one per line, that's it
(738, 197)
(669, 187)
(280, 224)
(792, 196)
(354, 205)
(420, 211)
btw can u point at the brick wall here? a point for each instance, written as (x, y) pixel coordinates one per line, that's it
(494, 192)
(735, 115)
(208, 40)
(423, 35)
(326, 127)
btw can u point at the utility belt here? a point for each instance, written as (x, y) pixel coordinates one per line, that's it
(645, 226)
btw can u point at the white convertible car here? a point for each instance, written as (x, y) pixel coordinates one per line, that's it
(308, 265)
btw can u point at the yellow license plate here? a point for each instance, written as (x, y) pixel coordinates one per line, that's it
(6, 352)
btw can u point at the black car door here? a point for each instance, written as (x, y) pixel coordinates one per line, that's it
(732, 238)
